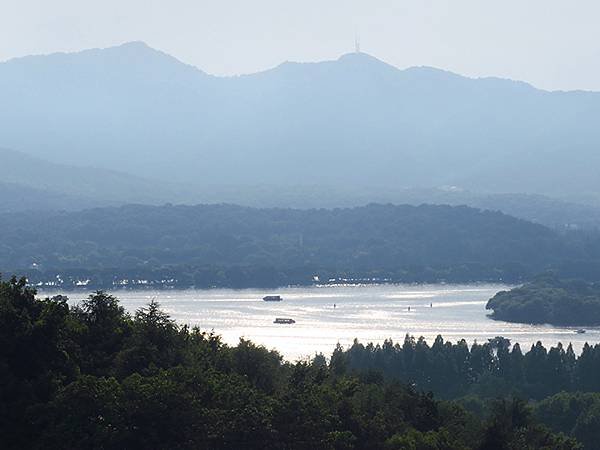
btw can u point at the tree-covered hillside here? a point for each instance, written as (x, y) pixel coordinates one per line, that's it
(223, 245)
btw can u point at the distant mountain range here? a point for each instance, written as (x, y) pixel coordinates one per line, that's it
(130, 124)
(356, 121)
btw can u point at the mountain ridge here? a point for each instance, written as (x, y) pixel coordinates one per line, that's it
(352, 121)
(143, 46)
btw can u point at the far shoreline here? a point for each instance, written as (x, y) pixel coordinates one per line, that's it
(166, 288)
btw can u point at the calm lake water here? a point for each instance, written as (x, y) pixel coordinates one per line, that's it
(369, 313)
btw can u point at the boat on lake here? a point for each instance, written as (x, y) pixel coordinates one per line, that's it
(580, 331)
(282, 320)
(272, 298)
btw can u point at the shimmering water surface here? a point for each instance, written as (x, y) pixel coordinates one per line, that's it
(369, 313)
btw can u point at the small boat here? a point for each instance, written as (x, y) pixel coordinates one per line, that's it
(580, 331)
(272, 298)
(283, 320)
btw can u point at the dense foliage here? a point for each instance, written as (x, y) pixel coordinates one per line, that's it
(549, 300)
(577, 414)
(490, 369)
(222, 245)
(92, 376)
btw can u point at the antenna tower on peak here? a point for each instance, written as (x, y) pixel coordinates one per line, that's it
(356, 43)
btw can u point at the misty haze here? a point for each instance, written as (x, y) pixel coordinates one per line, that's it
(299, 226)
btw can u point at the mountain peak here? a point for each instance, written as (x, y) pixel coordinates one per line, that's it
(134, 57)
(135, 49)
(147, 57)
(141, 45)
(360, 58)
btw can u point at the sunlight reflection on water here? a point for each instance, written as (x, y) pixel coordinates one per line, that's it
(368, 313)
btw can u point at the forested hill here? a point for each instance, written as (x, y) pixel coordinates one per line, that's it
(225, 245)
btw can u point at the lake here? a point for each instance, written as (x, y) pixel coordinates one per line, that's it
(368, 313)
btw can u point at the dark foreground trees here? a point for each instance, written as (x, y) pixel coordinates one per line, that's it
(93, 376)
(489, 369)
(577, 414)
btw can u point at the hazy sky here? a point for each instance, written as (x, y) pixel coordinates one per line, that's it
(553, 44)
